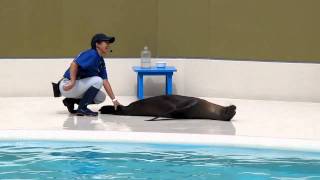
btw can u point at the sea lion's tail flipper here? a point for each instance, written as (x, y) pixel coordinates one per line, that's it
(229, 112)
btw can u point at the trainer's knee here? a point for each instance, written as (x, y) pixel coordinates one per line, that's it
(98, 82)
(100, 97)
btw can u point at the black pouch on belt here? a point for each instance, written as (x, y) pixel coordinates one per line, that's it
(56, 90)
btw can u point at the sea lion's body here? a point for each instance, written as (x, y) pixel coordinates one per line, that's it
(174, 106)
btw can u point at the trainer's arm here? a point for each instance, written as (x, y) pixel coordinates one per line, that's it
(109, 91)
(108, 88)
(73, 76)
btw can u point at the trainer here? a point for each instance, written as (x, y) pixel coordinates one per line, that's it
(86, 75)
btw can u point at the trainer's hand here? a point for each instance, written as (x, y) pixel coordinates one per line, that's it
(69, 85)
(116, 104)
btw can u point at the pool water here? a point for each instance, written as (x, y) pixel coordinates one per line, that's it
(106, 160)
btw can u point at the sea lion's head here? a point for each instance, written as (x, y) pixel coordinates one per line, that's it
(110, 110)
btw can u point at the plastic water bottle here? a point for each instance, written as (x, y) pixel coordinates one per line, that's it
(145, 58)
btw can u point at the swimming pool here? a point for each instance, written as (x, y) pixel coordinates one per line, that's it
(119, 160)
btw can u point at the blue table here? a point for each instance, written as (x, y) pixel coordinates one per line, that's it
(153, 71)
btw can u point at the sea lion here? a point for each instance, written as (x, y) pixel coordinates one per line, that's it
(174, 106)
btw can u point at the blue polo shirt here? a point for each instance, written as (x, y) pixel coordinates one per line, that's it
(90, 64)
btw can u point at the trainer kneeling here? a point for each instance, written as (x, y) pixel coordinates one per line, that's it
(86, 75)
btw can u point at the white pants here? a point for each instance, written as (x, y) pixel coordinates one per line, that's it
(81, 86)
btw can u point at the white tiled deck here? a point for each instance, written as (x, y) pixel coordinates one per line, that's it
(274, 119)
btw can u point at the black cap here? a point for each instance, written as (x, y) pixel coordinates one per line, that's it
(101, 37)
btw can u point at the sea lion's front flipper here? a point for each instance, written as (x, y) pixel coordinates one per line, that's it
(178, 110)
(186, 105)
(153, 119)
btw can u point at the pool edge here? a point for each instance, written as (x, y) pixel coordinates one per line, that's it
(163, 138)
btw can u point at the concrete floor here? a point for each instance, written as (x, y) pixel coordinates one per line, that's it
(275, 119)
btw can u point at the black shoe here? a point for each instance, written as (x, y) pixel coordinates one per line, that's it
(87, 99)
(86, 112)
(69, 103)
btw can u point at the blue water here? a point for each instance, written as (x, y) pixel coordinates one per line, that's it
(80, 160)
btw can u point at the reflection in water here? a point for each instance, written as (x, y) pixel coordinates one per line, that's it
(166, 125)
(74, 122)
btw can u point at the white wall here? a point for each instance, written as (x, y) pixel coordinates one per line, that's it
(195, 77)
